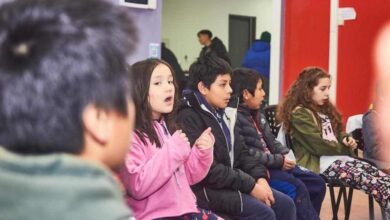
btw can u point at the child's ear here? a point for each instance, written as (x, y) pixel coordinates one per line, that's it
(202, 88)
(97, 124)
(246, 94)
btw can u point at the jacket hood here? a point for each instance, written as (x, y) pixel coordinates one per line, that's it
(57, 186)
(245, 110)
(216, 40)
(189, 100)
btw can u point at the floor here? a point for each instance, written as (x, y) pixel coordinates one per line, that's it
(359, 208)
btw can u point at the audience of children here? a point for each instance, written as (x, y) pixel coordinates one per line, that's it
(67, 111)
(237, 183)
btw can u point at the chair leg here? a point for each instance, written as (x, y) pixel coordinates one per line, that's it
(384, 217)
(348, 202)
(333, 202)
(343, 196)
(371, 207)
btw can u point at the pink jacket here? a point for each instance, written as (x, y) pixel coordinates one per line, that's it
(157, 180)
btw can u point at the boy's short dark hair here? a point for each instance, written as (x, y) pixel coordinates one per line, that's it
(206, 69)
(57, 57)
(205, 32)
(245, 78)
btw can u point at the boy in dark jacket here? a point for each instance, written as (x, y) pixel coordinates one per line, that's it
(212, 45)
(253, 127)
(236, 183)
(66, 112)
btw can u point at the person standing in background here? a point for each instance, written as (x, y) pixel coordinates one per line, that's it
(258, 57)
(212, 45)
(168, 56)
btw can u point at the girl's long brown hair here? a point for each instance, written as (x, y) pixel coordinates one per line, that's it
(140, 75)
(301, 93)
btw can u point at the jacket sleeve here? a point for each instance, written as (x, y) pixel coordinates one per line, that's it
(222, 177)
(251, 163)
(309, 135)
(275, 146)
(198, 164)
(220, 50)
(269, 160)
(219, 176)
(142, 176)
(274, 160)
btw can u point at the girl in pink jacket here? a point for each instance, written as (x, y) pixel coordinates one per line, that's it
(160, 167)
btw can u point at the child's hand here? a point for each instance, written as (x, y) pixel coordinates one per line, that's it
(206, 140)
(264, 183)
(350, 142)
(263, 192)
(288, 164)
(183, 136)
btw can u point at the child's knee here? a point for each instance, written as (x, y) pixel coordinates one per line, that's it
(285, 204)
(266, 213)
(270, 214)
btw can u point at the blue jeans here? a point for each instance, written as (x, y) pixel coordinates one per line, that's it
(314, 184)
(253, 209)
(292, 183)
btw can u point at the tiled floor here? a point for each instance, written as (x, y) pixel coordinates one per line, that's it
(359, 208)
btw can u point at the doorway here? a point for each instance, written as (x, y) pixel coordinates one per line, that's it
(242, 31)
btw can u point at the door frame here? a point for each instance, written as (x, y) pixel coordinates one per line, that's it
(252, 23)
(252, 29)
(275, 82)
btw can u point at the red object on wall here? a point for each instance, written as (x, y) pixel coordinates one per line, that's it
(306, 43)
(355, 77)
(306, 38)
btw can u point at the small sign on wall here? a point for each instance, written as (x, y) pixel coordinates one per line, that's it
(145, 4)
(345, 14)
(154, 50)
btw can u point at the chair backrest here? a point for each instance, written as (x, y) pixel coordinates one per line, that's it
(270, 114)
(354, 122)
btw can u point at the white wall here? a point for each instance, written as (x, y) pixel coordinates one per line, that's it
(182, 19)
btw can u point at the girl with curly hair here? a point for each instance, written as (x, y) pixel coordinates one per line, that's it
(320, 145)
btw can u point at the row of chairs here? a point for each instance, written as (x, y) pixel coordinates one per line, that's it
(345, 192)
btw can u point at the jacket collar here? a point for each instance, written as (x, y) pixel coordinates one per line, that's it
(242, 108)
(196, 100)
